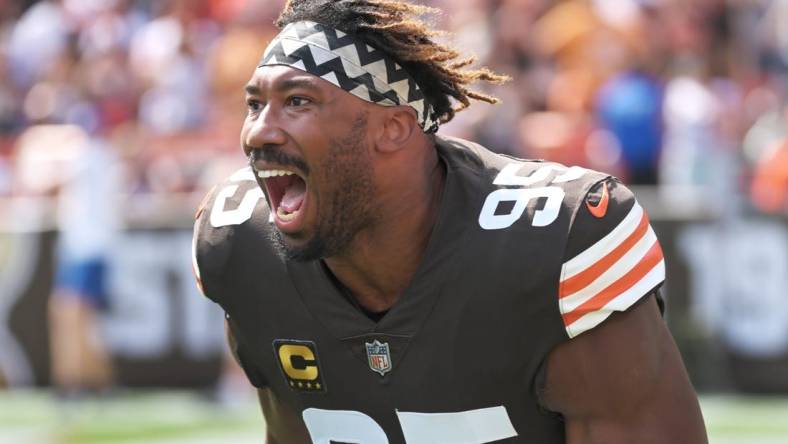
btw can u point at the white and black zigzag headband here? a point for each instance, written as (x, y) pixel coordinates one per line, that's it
(350, 64)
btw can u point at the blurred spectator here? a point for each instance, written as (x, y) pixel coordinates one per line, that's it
(88, 220)
(630, 107)
(83, 174)
(644, 89)
(770, 185)
(36, 41)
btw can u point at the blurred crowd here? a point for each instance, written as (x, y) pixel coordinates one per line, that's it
(686, 94)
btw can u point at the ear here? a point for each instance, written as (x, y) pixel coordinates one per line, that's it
(398, 128)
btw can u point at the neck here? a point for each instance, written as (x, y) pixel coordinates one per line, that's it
(381, 261)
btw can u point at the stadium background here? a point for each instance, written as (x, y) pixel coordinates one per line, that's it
(685, 100)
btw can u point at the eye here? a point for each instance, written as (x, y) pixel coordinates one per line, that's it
(254, 105)
(298, 101)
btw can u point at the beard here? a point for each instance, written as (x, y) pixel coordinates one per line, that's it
(347, 207)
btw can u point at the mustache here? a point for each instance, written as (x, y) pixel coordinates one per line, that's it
(272, 154)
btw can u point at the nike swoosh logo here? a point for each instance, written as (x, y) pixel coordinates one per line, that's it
(600, 209)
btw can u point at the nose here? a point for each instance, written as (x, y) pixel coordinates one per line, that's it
(263, 129)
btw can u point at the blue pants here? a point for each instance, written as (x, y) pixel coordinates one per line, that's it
(84, 278)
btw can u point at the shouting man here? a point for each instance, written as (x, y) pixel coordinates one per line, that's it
(384, 284)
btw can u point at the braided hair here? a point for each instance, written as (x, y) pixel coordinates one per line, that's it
(396, 28)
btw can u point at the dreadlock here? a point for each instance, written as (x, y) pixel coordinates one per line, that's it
(397, 29)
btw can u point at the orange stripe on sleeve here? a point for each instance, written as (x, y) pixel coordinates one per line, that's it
(584, 278)
(598, 301)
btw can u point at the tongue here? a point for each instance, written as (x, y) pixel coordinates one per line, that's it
(294, 196)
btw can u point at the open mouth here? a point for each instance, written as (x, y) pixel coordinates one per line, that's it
(287, 193)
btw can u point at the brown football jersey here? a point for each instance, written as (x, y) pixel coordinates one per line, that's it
(524, 255)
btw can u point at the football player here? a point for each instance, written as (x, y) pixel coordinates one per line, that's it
(384, 284)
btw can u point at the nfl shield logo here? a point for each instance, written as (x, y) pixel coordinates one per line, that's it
(379, 357)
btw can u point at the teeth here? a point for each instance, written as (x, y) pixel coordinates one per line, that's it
(285, 217)
(265, 174)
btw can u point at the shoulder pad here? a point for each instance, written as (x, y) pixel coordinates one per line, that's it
(233, 214)
(612, 257)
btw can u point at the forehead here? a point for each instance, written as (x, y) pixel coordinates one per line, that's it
(280, 77)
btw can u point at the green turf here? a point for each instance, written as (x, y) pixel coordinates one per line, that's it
(32, 417)
(130, 418)
(746, 418)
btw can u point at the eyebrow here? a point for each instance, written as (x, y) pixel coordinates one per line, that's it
(284, 85)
